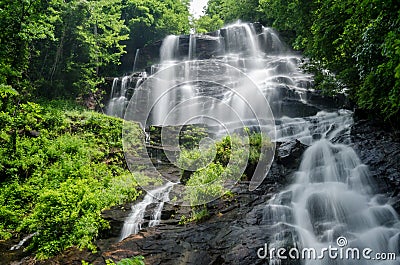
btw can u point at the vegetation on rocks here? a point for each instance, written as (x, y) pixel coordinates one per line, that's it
(212, 167)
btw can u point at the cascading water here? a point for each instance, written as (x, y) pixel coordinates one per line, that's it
(133, 224)
(120, 93)
(116, 106)
(23, 241)
(168, 54)
(241, 38)
(169, 49)
(333, 194)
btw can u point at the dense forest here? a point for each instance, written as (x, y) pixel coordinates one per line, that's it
(64, 48)
(61, 165)
(57, 48)
(56, 156)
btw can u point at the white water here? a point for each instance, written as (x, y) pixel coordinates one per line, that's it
(22, 242)
(119, 93)
(116, 106)
(134, 222)
(169, 49)
(192, 47)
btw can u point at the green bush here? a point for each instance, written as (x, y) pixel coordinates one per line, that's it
(137, 260)
(220, 164)
(205, 184)
(60, 167)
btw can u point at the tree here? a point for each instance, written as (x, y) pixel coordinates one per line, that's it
(87, 46)
(206, 24)
(101, 34)
(151, 20)
(232, 10)
(357, 42)
(22, 22)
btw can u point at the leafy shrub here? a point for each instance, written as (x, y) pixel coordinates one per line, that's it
(59, 169)
(197, 215)
(205, 184)
(220, 164)
(137, 260)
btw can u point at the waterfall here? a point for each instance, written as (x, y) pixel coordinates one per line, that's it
(117, 104)
(169, 48)
(333, 194)
(168, 54)
(22, 242)
(121, 91)
(241, 38)
(135, 220)
(272, 42)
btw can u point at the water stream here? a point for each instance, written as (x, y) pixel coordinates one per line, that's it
(136, 219)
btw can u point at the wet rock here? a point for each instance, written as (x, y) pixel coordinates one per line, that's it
(378, 146)
(206, 46)
(231, 235)
(289, 153)
(116, 217)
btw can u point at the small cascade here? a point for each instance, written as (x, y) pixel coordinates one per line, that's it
(121, 91)
(114, 87)
(241, 38)
(168, 54)
(116, 106)
(140, 79)
(136, 60)
(272, 42)
(192, 47)
(22, 242)
(169, 49)
(133, 224)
